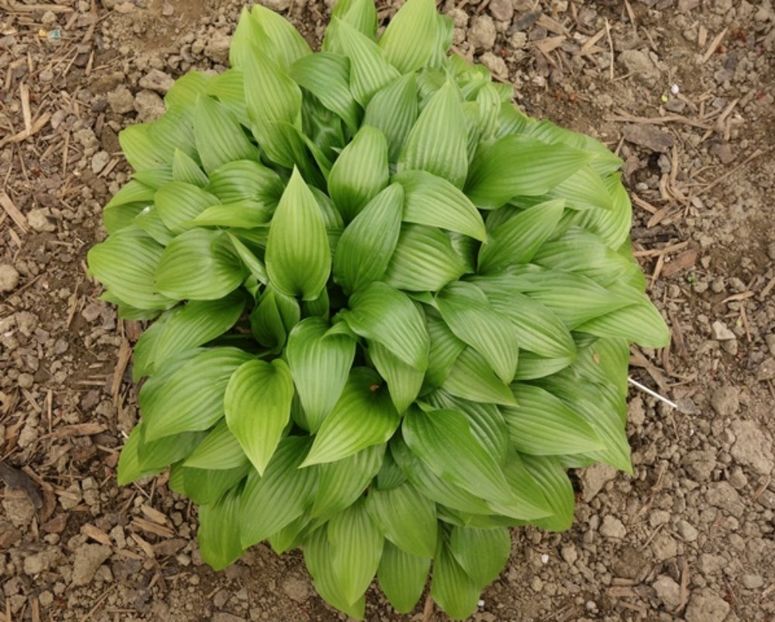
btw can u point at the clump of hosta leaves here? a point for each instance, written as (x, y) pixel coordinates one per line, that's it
(389, 311)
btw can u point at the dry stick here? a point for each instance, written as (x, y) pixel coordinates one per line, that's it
(652, 393)
(713, 45)
(610, 48)
(10, 208)
(715, 183)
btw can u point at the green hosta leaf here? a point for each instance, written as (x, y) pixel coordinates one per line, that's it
(390, 475)
(258, 408)
(318, 557)
(472, 378)
(272, 501)
(519, 166)
(205, 486)
(445, 349)
(320, 363)
(342, 482)
(252, 263)
(444, 442)
(468, 314)
(409, 40)
(433, 201)
(151, 146)
(140, 457)
(298, 259)
(245, 179)
(367, 243)
(199, 265)
(640, 323)
(125, 263)
(389, 317)
(356, 548)
(185, 169)
(393, 110)
(369, 71)
(482, 553)
(243, 42)
(189, 326)
(244, 214)
(219, 138)
(541, 424)
(424, 260)
(189, 397)
(402, 577)
(273, 318)
(149, 221)
(179, 203)
(229, 89)
(517, 240)
(360, 14)
(584, 190)
(363, 416)
(437, 141)
(132, 192)
(186, 89)
(550, 475)
(220, 449)
(404, 381)
(613, 225)
(326, 76)
(278, 38)
(360, 172)
(218, 536)
(455, 592)
(290, 536)
(157, 177)
(406, 517)
(532, 366)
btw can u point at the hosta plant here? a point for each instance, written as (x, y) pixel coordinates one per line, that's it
(387, 310)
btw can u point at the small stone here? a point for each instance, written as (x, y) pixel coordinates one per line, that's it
(149, 105)
(687, 531)
(156, 80)
(296, 589)
(639, 64)
(88, 558)
(706, 606)
(502, 10)
(39, 562)
(277, 5)
(124, 7)
(9, 277)
(723, 496)
(48, 19)
(121, 100)
(99, 161)
(9, 535)
(668, 591)
(612, 527)
(482, 33)
(766, 370)
(569, 553)
(45, 598)
(594, 478)
(536, 584)
(495, 64)
(222, 616)
(167, 10)
(752, 581)
(752, 447)
(725, 400)
(38, 220)
(721, 332)
(17, 507)
(648, 136)
(25, 380)
(519, 40)
(217, 47)
(664, 547)
(659, 517)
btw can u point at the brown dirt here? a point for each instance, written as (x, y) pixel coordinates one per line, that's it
(688, 537)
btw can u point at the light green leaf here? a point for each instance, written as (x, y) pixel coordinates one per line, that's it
(550, 475)
(274, 500)
(393, 110)
(468, 314)
(327, 76)
(437, 141)
(443, 440)
(253, 263)
(151, 146)
(356, 548)
(367, 243)
(360, 172)
(298, 260)
(185, 169)
(424, 260)
(149, 221)
(258, 408)
(207, 486)
(363, 416)
(140, 457)
(199, 264)
(640, 323)
(342, 482)
(186, 89)
(482, 553)
(454, 591)
(218, 535)
(402, 577)
(245, 179)
(360, 14)
(189, 397)
(519, 166)
(406, 517)
(383, 314)
(125, 263)
(179, 203)
(404, 381)
(445, 349)
(273, 318)
(243, 214)
(517, 240)
(219, 138)
(320, 364)
(278, 38)
(541, 424)
(584, 190)
(409, 40)
(220, 449)
(435, 202)
(243, 42)
(472, 378)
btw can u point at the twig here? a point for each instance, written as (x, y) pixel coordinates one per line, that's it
(713, 45)
(610, 48)
(10, 208)
(718, 180)
(652, 393)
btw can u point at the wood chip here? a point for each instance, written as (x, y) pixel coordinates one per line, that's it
(10, 208)
(19, 480)
(549, 44)
(32, 8)
(154, 514)
(668, 118)
(589, 44)
(24, 95)
(37, 125)
(685, 260)
(713, 46)
(551, 24)
(95, 533)
(146, 546)
(124, 354)
(153, 528)
(79, 429)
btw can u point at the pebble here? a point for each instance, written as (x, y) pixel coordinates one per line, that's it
(482, 33)
(99, 161)
(38, 220)
(721, 331)
(664, 547)
(569, 553)
(217, 46)
(687, 530)
(25, 381)
(124, 8)
(156, 80)
(639, 64)
(752, 447)
(668, 591)
(752, 581)
(725, 400)
(706, 606)
(648, 136)
(277, 5)
(88, 558)
(502, 10)
(121, 100)
(612, 527)
(594, 478)
(149, 105)
(9, 277)
(723, 496)
(495, 64)
(296, 589)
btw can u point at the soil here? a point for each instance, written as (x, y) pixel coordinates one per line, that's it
(682, 89)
